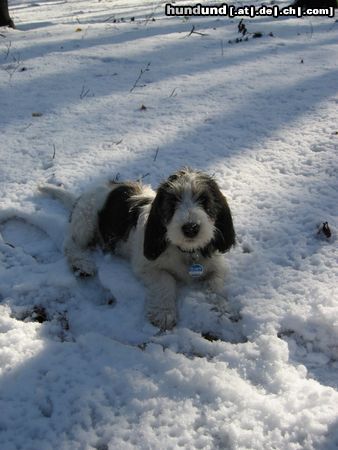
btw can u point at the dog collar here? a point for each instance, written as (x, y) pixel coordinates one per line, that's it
(195, 269)
(190, 252)
(195, 254)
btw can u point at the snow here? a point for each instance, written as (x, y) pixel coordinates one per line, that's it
(80, 367)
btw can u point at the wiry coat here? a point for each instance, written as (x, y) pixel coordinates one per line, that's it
(172, 235)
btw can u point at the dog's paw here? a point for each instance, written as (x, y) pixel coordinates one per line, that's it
(165, 319)
(223, 307)
(84, 269)
(215, 285)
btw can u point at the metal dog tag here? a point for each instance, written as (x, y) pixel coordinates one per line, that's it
(196, 270)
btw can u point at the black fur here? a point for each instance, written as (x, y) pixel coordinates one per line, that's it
(162, 210)
(120, 213)
(225, 236)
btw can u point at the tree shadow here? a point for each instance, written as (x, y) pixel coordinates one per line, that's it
(124, 72)
(34, 25)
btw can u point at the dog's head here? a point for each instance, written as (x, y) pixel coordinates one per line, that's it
(190, 212)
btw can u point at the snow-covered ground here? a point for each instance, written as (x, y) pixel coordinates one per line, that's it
(78, 371)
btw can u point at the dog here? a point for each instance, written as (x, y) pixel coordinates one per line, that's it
(177, 234)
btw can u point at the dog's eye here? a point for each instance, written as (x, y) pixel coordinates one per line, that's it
(203, 199)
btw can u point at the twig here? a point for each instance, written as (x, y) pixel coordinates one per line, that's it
(157, 150)
(85, 33)
(146, 69)
(195, 32)
(242, 29)
(173, 93)
(201, 34)
(8, 49)
(12, 68)
(84, 92)
(109, 18)
(152, 14)
(143, 176)
(191, 32)
(222, 47)
(311, 30)
(26, 127)
(54, 148)
(109, 145)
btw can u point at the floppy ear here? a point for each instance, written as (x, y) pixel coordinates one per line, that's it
(224, 234)
(154, 235)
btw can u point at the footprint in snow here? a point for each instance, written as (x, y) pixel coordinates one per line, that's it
(19, 234)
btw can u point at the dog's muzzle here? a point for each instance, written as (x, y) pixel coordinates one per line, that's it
(190, 229)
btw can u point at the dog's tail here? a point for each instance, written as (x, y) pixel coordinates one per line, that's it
(59, 193)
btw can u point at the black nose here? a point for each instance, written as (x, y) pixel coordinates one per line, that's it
(190, 229)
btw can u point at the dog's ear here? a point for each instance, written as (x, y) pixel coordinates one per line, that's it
(224, 237)
(154, 236)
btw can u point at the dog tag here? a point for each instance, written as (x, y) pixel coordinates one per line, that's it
(196, 270)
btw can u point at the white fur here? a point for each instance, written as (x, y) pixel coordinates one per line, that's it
(161, 275)
(189, 211)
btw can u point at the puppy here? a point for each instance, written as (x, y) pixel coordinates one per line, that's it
(177, 234)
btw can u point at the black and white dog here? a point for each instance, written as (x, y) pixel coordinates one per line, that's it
(175, 234)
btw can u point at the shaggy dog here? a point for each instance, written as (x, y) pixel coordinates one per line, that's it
(175, 234)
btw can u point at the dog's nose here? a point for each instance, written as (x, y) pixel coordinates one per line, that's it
(190, 229)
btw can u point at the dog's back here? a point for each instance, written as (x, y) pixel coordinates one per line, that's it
(121, 211)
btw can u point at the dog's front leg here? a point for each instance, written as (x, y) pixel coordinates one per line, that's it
(161, 299)
(216, 283)
(218, 297)
(216, 276)
(78, 258)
